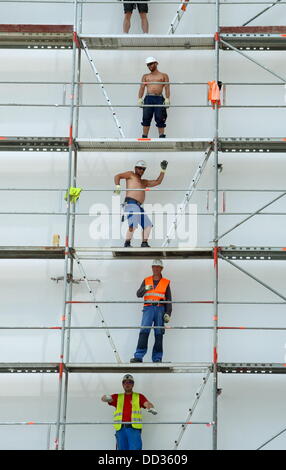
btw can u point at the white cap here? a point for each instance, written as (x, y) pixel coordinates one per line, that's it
(141, 163)
(157, 262)
(149, 60)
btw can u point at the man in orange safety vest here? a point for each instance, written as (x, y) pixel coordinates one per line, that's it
(154, 289)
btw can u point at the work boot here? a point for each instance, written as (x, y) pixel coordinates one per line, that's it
(144, 136)
(162, 136)
(135, 359)
(145, 245)
(127, 244)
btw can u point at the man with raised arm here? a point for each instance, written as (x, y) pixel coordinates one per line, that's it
(134, 199)
(154, 96)
(128, 414)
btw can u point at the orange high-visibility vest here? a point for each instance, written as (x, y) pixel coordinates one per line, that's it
(159, 292)
(214, 93)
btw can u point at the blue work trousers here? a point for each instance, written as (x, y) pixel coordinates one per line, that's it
(152, 316)
(128, 439)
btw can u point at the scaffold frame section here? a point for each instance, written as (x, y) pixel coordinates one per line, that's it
(34, 144)
(143, 368)
(120, 253)
(29, 36)
(150, 41)
(61, 144)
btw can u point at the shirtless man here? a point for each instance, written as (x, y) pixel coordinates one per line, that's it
(154, 96)
(135, 199)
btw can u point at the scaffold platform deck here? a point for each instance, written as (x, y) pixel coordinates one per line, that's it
(255, 38)
(253, 144)
(145, 368)
(150, 41)
(61, 144)
(251, 368)
(143, 145)
(253, 253)
(32, 252)
(143, 253)
(34, 144)
(28, 368)
(120, 253)
(229, 144)
(32, 36)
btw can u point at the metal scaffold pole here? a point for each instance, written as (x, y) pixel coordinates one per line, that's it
(215, 209)
(67, 263)
(77, 70)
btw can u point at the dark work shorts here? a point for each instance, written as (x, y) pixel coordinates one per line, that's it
(129, 7)
(160, 114)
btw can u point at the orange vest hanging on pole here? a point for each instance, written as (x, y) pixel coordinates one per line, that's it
(158, 293)
(214, 93)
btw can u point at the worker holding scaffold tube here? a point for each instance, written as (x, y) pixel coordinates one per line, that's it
(128, 414)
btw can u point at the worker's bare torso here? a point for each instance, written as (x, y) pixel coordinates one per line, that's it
(155, 89)
(134, 181)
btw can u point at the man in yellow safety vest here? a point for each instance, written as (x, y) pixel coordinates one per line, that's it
(154, 289)
(128, 414)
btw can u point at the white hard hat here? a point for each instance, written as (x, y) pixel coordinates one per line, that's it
(149, 60)
(141, 163)
(128, 377)
(157, 262)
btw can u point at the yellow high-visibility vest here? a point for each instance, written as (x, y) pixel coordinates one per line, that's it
(136, 414)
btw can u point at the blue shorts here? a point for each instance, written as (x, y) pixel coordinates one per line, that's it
(140, 218)
(160, 114)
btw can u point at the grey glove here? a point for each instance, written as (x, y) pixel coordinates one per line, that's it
(153, 411)
(108, 398)
(166, 318)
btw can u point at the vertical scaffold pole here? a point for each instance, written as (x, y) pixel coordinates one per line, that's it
(67, 241)
(215, 209)
(77, 66)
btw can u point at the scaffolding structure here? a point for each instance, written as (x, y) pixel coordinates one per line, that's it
(238, 39)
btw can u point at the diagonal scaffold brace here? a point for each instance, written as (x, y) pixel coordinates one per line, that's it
(192, 409)
(92, 64)
(177, 18)
(173, 228)
(98, 310)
